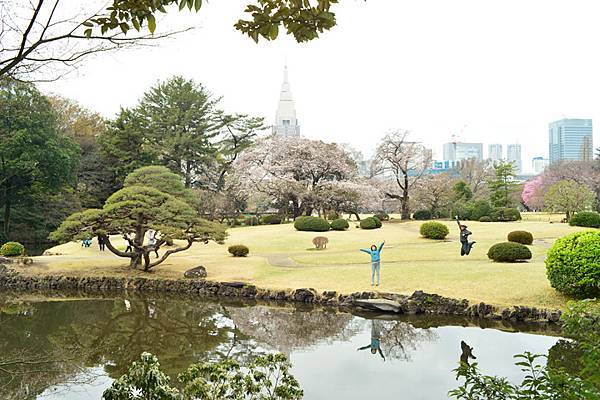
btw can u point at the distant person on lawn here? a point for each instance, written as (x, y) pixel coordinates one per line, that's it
(466, 246)
(375, 253)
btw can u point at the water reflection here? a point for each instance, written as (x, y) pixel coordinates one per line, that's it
(70, 343)
(467, 353)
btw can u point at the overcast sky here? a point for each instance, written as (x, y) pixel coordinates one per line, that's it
(491, 71)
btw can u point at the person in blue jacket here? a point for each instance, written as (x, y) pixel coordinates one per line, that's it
(375, 253)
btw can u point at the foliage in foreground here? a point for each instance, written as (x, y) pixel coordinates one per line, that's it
(543, 382)
(587, 219)
(267, 377)
(12, 249)
(573, 264)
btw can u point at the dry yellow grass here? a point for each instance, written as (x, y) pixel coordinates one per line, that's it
(409, 262)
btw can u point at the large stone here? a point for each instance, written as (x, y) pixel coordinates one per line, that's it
(6, 260)
(304, 295)
(379, 305)
(196, 273)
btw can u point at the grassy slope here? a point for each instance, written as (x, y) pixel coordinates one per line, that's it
(409, 262)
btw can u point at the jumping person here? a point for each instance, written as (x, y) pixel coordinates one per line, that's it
(375, 253)
(375, 345)
(466, 246)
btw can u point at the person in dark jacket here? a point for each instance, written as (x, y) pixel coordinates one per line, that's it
(102, 243)
(466, 246)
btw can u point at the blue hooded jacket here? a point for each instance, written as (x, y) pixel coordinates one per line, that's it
(375, 254)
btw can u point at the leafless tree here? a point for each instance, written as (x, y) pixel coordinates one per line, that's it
(403, 163)
(42, 40)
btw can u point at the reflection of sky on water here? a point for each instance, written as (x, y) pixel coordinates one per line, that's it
(336, 370)
(339, 371)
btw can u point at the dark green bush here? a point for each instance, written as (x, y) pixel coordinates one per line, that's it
(311, 224)
(485, 218)
(573, 264)
(422, 215)
(586, 219)
(251, 221)
(12, 249)
(370, 223)
(479, 209)
(522, 237)
(169, 241)
(382, 216)
(509, 252)
(434, 230)
(505, 214)
(339, 224)
(272, 219)
(238, 250)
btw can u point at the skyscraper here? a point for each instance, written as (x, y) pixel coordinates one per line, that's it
(539, 164)
(495, 152)
(571, 139)
(456, 151)
(513, 155)
(286, 123)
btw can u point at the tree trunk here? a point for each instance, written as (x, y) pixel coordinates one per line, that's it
(6, 213)
(404, 201)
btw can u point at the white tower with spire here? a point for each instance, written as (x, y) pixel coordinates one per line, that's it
(286, 123)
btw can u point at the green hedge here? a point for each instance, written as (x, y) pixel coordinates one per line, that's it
(311, 224)
(272, 219)
(12, 249)
(422, 215)
(586, 219)
(251, 221)
(506, 214)
(238, 250)
(339, 224)
(509, 252)
(485, 218)
(434, 230)
(370, 223)
(573, 264)
(522, 237)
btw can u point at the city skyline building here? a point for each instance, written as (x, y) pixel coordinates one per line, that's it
(513, 155)
(570, 139)
(539, 164)
(286, 122)
(457, 151)
(495, 152)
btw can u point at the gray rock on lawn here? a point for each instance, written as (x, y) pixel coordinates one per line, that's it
(379, 305)
(196, 273)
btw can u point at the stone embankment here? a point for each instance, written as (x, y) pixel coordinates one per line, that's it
(417, 303)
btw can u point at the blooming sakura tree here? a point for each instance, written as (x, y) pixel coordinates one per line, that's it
(304, 174)
(401, 163)
(533, 193)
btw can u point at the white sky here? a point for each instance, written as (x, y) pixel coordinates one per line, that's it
(499, 70)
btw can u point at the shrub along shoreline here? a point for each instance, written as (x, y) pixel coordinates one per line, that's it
(417, 303)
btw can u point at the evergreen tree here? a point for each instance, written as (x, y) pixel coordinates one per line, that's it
(502, 186)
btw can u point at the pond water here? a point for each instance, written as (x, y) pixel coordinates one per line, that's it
(72, 348)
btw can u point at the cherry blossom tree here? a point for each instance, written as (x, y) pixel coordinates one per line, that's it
(401, 163)
(533, 193)
(295, 171)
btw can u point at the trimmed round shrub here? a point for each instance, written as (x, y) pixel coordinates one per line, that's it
(271, 219)
(506, 214)
(422, 215)
(311, 224)
(238, 250)
(381, 216)
(169, 241)
(573, 264)
(12, 249)
(522, 237)
(434, 230)
(339, 224)
(587, 219)
(370, 223)
(485, 218)
(509, 252)
(251, 221)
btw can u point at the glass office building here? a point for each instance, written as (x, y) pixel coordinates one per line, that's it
(571, 140)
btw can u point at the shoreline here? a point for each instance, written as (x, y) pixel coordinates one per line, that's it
(384, 303)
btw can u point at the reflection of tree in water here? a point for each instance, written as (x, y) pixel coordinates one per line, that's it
(288, 329)
(58, 340)
(399, 339)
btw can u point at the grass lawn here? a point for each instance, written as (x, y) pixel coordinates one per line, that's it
(281, 257)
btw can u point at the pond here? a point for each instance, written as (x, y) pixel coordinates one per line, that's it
(72, 348)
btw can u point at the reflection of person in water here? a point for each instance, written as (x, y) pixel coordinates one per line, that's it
(467, 352)
(375, 345)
